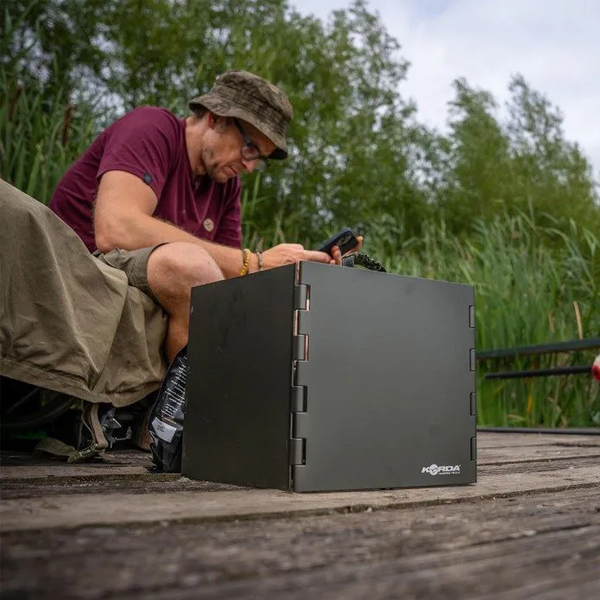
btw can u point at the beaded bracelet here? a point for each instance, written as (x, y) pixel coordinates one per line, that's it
(246, 266)
(260, 260)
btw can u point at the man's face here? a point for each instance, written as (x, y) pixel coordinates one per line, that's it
(219, 152)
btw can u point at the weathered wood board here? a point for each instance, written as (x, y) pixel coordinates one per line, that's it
(530, 528)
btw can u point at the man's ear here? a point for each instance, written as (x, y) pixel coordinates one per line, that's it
(212, 119)
(217, 122)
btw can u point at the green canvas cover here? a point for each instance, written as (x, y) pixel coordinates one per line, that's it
(69, 322)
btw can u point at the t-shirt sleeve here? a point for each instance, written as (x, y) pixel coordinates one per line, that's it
(141, 143)
(230, 224)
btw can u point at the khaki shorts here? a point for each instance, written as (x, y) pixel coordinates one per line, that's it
(134, 263)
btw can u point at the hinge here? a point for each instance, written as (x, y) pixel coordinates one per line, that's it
(299, 374)
(300, 340)
(473, 403)
(300, 356)
(300, 337)
(303, 322)
(300, 347)
(300, 425)
(298, 403)
(297, 451)
(472, 359)
(474, 448)
(298, 441)
(301, 297)
(472, 317)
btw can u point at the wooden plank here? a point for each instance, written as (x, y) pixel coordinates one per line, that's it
(569, 586)
(91, 509)
(492, 548)
(489, 440)
(158, 536)
(50, 486)
(83, 472)
(123, 476)
(72, 472)
(534, 453)
(563, 465)
(484, 570)
(106, 485)
(470, 573)
(23, 465)
(492, 448)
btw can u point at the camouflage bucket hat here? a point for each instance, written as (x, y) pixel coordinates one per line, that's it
(253, 99)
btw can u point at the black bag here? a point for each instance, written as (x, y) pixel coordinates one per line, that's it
(166, 419)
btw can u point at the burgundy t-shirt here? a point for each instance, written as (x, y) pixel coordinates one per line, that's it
(150, 144)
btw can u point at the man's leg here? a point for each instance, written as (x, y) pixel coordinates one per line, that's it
(173, 269)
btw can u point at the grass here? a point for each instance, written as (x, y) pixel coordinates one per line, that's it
(39, 140)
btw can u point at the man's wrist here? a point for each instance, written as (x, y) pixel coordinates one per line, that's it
(251, 262)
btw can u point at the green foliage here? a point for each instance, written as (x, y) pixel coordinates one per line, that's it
(521, 164)
(502, 200)
(45, 38)
(39, 139)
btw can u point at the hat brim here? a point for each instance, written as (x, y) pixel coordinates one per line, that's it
(225, 108)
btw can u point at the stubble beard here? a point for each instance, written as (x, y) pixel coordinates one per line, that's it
(213, 170)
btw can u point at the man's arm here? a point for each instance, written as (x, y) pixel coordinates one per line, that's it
(123, 219)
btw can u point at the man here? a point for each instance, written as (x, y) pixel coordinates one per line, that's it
(159, 197)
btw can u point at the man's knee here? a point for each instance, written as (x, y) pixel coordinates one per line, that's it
(174, 269)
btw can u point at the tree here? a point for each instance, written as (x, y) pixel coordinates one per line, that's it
(478, 159)
(550, 173)
(358, 152)
(522, 164)
(52, 43)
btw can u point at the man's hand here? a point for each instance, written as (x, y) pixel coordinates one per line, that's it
(337, 255)
(285, 254)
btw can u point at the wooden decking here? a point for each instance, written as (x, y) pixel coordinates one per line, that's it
(530, 528)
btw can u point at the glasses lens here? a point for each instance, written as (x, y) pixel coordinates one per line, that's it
(250, 152)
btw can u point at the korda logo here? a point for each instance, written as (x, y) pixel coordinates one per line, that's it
(441, 469)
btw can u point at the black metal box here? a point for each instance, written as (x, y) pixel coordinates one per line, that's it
(314, 377)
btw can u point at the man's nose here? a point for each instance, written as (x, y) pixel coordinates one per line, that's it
(249, 165)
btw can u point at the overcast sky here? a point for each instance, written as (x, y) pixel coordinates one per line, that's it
(554, 44)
